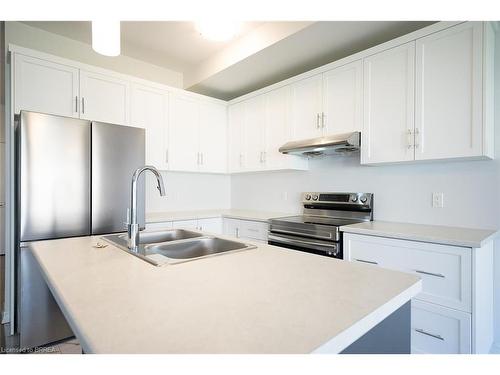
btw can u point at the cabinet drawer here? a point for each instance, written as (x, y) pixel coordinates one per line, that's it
(439, 330)
(254, 230)
(445, 270)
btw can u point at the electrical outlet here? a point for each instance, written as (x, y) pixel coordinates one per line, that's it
(437, 200)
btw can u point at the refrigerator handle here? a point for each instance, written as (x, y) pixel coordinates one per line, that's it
(76, 104)
(83, 104)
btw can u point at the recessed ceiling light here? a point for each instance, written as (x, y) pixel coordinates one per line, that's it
(218, 30)
(106, 37)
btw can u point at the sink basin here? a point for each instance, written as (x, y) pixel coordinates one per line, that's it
(195, 249)
(175, 245)
(146, 238)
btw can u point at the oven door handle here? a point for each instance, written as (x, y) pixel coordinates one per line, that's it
(298, 242)
(277, 230)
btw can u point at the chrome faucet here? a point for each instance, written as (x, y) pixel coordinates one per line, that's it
(132, 225)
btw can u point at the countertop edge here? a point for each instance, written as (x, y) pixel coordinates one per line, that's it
(419, 237)
(353, 333)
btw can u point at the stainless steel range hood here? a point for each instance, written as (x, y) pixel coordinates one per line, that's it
(337, 144)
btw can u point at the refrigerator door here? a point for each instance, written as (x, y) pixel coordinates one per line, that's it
(117, 151)
(54, 176)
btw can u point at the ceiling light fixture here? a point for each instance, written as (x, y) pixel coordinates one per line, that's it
(106, 37)
(218, 30)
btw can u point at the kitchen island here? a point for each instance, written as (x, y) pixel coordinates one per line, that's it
(262, 300)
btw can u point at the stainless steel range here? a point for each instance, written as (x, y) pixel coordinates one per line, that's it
(317, 229)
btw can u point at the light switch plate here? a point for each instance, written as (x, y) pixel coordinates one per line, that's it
(437, 200)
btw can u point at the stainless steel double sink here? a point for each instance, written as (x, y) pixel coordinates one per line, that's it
(176, 246)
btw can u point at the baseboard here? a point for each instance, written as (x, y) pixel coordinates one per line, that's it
(495, 348)
(5, 317)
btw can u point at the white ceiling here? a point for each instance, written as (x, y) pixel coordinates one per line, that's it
(314, 46)
(171, 44)
(178, 46)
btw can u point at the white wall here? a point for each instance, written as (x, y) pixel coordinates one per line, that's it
(41, 40)
(189, 191)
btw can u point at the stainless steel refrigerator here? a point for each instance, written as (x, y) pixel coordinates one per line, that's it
(73, 179)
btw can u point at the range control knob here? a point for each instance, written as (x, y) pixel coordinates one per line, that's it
(354, 198)
(308, 197)
(315, 197)
(363, 199)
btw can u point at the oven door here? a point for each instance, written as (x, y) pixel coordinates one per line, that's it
(314, 246)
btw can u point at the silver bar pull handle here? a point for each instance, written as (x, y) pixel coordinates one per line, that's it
(83, 105)
(439, 337)
(410, 139)
(76, 104)
(237, 233)
(430, 273)
(416, 138)
(265, 156)
(201, 153)
(322, 119)
(166, 156)
(365, 261)
(241, 160)
(317, 120)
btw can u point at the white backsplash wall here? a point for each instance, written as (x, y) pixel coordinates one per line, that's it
(402, 192)
(189, 191)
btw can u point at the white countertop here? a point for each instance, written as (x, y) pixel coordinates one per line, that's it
(158, 217)
(264, 300)
(454, 236)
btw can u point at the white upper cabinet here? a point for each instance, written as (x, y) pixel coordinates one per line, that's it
(253, 133)
(449, 81)
(197, 135)
(104, 98)
(277, 131)
(388, 121)
(183, 150)
(306, 108)
(44, 86)
(149, 110)
(236, 117)
(342, 99)
(213, 137)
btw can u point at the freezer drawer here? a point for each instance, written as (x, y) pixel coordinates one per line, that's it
(40, 319)
(117, 151)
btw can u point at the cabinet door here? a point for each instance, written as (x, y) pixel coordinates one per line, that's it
(183, 133)
(388, 120)
(149, 110)
(43, 86)
(185, 224)
(213, 137)
(305, 108)
(104, 98)
(211, 225)
(231, 227)
(236, 115)
(342, 99)
(449, 93)
(253, 133)
(277, 129)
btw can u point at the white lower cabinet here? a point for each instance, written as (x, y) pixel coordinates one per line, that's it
(159, 226)
(452, 314)
(246, 229)
(439, 330)
(209, 225)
